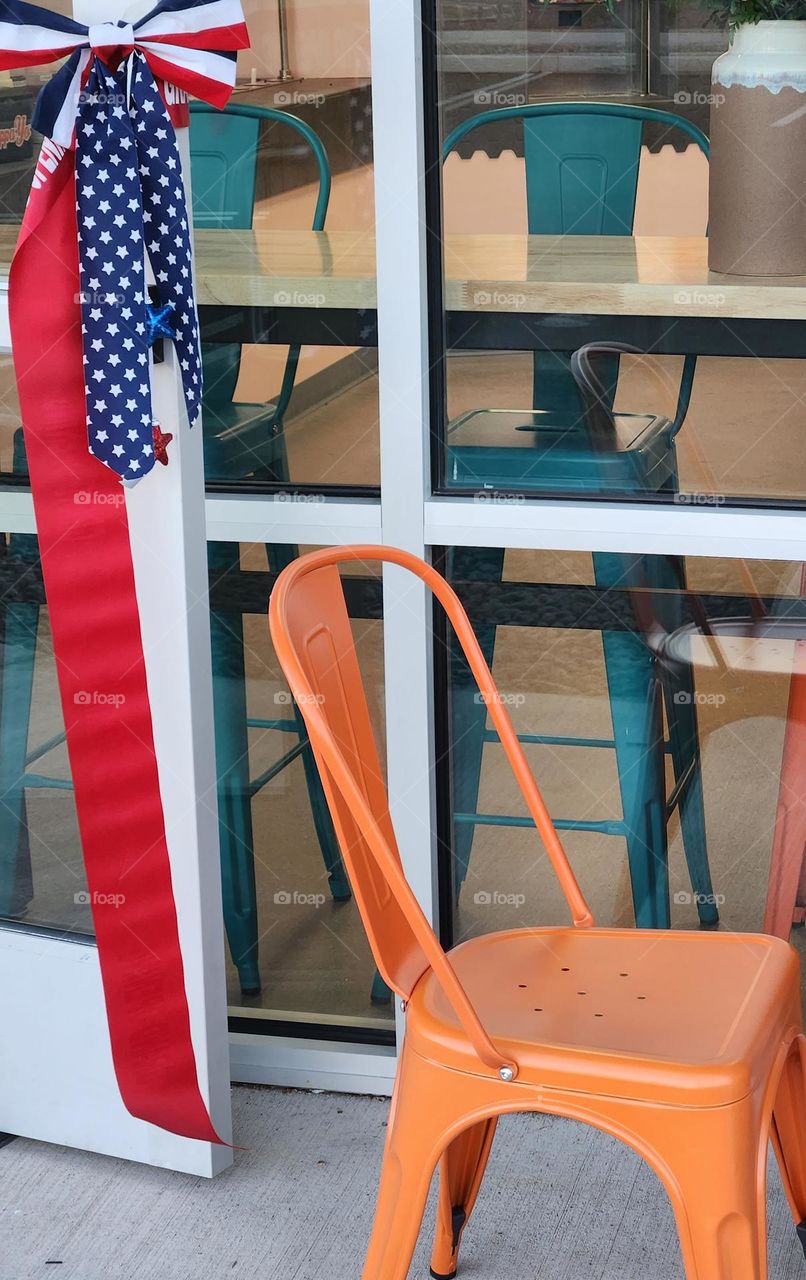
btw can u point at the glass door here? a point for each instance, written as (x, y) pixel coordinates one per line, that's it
(615, 449)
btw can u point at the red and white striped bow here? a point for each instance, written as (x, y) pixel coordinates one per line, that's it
(188, 43)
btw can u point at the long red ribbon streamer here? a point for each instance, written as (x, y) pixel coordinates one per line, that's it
(89, 583)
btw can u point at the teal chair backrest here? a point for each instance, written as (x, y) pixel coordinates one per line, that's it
(224, 147)
(582, 161)
(223, 158)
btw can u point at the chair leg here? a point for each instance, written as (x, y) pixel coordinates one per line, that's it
(712, 1162)
(635, 708)
(418, 1118)
(681, 715)
(461, 1170)
(468, 713)
(789, 839)
(721, 1212)
(239, 890)
(789, 1133)
(669, 574)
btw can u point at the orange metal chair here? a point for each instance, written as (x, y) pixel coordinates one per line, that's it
(688, 1047)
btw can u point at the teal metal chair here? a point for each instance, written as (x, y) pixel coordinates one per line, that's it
(582, 162)
(247, 441)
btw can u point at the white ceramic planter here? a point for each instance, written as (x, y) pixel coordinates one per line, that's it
(758, 152)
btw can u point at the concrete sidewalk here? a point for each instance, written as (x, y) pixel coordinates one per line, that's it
(560, 1202)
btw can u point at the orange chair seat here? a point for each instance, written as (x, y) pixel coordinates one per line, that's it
(688, 1018)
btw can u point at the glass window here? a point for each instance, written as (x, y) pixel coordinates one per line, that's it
(283, 209)
(19, 145)
(586, 350)
(42, 878)
(661, 704)
(296, 947)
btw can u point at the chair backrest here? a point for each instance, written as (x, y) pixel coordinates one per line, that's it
(224, 149)
(582, 161)
(311, 632)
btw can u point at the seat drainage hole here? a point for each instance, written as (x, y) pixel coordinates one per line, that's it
(565, 970)
(640, 997)
(598, 1015)
(582, 993)
(624, 975)
(538, 1010)
(522, 986)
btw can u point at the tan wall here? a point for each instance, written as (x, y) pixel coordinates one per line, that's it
(487, 195)
(325, 38)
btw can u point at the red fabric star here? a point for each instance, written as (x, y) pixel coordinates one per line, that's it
(161, 442)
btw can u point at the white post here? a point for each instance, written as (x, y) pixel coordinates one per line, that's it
(167, 528)
(397, 107)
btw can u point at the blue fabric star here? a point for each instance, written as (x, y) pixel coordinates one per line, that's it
(159, 322)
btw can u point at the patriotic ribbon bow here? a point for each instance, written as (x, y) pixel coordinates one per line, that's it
(130, 197)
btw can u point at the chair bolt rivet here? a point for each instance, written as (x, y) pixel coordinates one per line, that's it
(506, 1073)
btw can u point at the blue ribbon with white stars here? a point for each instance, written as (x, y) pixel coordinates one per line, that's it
(130, 197)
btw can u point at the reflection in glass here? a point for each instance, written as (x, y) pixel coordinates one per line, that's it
(296, 947)
(42, 880)
(528, 148)
(662, 723)
(581, 164)
(288, 159)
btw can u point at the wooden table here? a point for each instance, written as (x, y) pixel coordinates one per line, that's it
(500, 292)
(615, 275)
